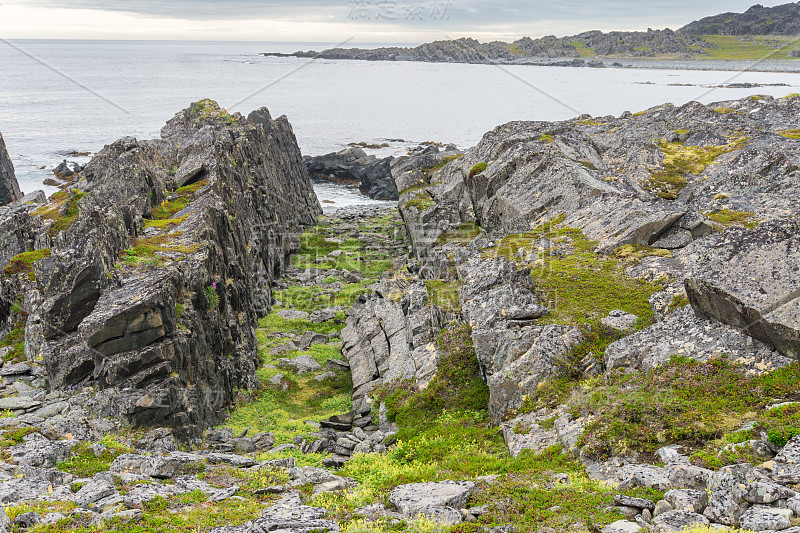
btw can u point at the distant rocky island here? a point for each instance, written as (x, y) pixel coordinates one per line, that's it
(759, 33)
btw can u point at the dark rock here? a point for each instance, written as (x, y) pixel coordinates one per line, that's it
(353, 166)
(9, 188)
(169, 336)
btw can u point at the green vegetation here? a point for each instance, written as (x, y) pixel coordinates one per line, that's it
(86, 463)
(546, 137)
(684, 401)
(147, 251)
(583, 285)
(461, 234)
(681, 161)
(24, 262)
(727, 218)
(678, 301)
(789, 134)
(725, 110)
(583, 48)
(13, 437)
(634, 253)
(62, 210)
(164, 213)
(428, 172)
(421, 202)
(477, 169)
(209, 109)
(444, 294)
(212, 297)
(15, 339)
(731, 47)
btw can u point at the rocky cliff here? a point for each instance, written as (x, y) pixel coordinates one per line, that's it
(697, 202)
(758, 20)
(9, 188)
(146, 277)
(352, 166)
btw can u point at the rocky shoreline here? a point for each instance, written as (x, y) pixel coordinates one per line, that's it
(587, 325)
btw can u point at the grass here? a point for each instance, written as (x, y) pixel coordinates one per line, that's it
(15, 339)
(62, 210)
(582, 48)
(420, 203)
(166, 210)
(444, 295)
(84, 462)
(634, 253)
(730, 47)
(445, 434)
(429, 171)
(477, 169)
(726, 218)
(461, 234)
(681, 161)
(581, 285)
(12, 437)
(145, 250)
(683, 402)
(209, 109)
(24, 262)
(789, 134)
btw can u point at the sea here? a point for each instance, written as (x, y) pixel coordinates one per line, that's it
(59, 98)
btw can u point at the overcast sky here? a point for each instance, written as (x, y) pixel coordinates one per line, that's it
(333, 21)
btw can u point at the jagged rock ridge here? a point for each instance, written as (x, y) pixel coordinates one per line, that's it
(160, 262)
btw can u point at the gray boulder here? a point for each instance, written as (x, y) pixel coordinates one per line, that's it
(431, 499)
(763, 518)
(674, 521)
(747, 278)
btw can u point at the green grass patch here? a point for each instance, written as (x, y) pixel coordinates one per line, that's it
(444, 295)
(84, 462)
(581, 285)
(683, 401)
(209, 109)
(727, 218)
(583, 48)
(12, 437)
(145, 250)
(477, 169)
(681, 161)
(731, 47)
(62, 210)
(461, 235)
(634, 253)
(24, 262)
(789, 134)
(15, 339)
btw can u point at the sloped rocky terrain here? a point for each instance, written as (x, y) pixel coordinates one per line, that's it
(758, 20)
(588, 325)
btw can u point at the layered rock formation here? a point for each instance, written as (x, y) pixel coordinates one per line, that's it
(9, 188)
(156, 264)
(758, 20)
(705, 195)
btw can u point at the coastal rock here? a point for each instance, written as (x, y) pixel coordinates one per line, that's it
(161, 269)
(354, 167)
(9, 188)
(747, 278)
(684, 333)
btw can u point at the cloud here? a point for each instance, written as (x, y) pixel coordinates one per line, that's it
(509, 19)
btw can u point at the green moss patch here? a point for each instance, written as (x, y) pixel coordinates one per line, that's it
(86, 463)
(685, 402)
(24, 262)
(145, 250)
(477, 169)
(62, 210)
(681, 161)
(461, 235)
(727, 218)
(444, 294)
(581, 285)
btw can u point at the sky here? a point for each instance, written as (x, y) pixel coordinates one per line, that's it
(366, 21)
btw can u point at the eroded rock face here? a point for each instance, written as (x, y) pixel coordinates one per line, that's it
(750, 279)
(152, 291)
(9, 188)
(353, 166)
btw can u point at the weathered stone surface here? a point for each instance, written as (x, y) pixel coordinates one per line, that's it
(747, 278)
(620, 321)
(302, 364)
(622, 526)
(762, 518)
(635, 475)
(422, 498)
(790, 453)
(288, 515)
(674, 521)
(686, 476)
(684, 333)
(762, 492)
(38, 451)
(630, 501)
(169, 336)
(18, 403)
(9, 188)
(694, 501)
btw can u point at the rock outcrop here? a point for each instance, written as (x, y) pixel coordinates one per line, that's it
(352, 166)
(159, 263)
(9, 188)
(758, 20)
